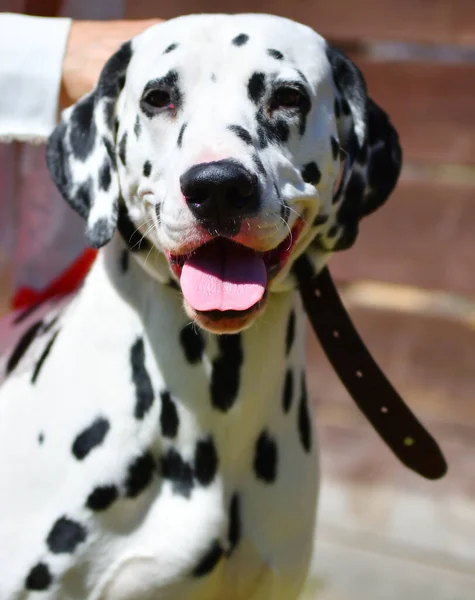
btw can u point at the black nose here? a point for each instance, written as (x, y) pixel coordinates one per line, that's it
(220, 194)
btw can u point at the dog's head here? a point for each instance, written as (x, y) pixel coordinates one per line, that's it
(232, 144)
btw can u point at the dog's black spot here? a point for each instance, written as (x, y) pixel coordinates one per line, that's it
(226, 371)
(39, 578)
(90, 438)
(147, 168)
(83, 130)
(139, 474)
(275, 54)
(241, 39)
(180, 135)
(170, 48)
(124, 261)
(288, 393)
(132, 237)
(258, 162)
(213, 77)
(256, 87)
(22, 346)
(279, 131)
(178, 471)
(265, 458)
(41, 439)
(109, 112)
(353, 195)
(262, 135)
(235, 525)
(42, 358)
(102, 497)
(81, 201)
(311, 173)
(158, 211)
(337, 108)
(209, 560)
(170, 81)
(290, 335)
(143, 385)
(192, 342)
(112, 78)
(350, 211)
(110, 152)
(116, 126)
(362, 159)
(206, 461)
(271, 130)
(335, 147)
(24, 314)
(105, 176)
(101, 232)
(65, 536)
(332, 231)
(48, 326)
(304, 426)
(168, 415)
(242, 133)
(123, 149)
(345, 107)
(137, 127)
(121, 82)
(320, 220)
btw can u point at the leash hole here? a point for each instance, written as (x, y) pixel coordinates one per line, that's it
(409, 441)
(359, 374)
(318, 293)
(336, 334)
(384, 410)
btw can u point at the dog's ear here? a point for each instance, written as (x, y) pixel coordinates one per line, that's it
(369, 148)
(81, 152)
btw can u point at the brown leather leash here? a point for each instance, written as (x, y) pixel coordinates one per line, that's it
(365, 382)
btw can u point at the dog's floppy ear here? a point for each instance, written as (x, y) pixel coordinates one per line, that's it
(81, 152)
(370, 148)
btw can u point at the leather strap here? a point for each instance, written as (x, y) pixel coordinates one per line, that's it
(364, 380)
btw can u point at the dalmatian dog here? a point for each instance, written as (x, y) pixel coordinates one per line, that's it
(155, 435)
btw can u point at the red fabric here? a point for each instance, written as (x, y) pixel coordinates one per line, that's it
(67, 282)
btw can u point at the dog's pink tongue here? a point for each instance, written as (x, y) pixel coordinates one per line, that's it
(223, 276)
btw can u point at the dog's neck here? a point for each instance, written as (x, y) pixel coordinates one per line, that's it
(244, 376)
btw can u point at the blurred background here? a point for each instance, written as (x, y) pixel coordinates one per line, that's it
(384, 533)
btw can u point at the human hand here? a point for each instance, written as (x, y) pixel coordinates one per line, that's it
(90, 44)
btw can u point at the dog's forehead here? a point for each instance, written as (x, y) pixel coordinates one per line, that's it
(230, 45)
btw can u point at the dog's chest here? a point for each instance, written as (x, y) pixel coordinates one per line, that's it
(172, 462)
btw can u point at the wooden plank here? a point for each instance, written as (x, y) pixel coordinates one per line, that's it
(423, 236)
(431, 106)
(433, 21)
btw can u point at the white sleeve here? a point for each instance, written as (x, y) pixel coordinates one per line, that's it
(31, 58)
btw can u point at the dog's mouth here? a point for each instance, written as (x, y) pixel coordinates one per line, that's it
(224, 280)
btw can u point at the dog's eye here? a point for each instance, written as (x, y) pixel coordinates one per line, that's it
(287, 98)
(158, 98)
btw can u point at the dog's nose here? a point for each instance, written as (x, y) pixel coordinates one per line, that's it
(220, 194)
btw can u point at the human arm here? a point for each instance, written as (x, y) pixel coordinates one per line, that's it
(49, 63)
